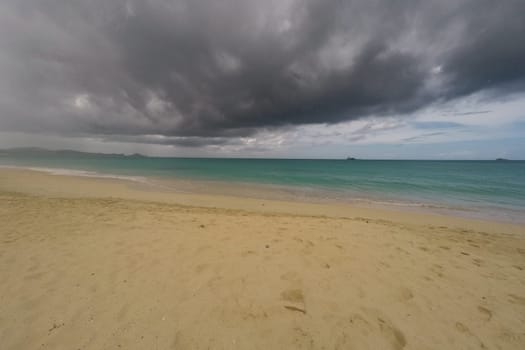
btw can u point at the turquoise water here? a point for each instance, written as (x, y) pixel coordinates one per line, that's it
(495, 186)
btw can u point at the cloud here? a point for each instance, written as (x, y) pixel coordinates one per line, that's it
(472, 113)
(203, 72)
(436, 125)
(184, 141)
(422, 137)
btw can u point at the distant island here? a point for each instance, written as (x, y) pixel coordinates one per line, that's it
(36, 152)
(351, 158)
(501, 159)
(136, 155)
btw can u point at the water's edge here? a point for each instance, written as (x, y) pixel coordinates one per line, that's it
(267, 191)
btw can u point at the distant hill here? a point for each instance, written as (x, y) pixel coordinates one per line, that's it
(35, 152)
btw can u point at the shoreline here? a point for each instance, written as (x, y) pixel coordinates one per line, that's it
(38, 183)
(281, 193)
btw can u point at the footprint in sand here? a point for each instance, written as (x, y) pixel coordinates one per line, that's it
(291, 277)
(200, 268)
(486, 312)
(246, 253)
(515, 299)
(393, 335)
(462, 328)
(294, 299)
(477, 262)
(406, 294)
(372, 321)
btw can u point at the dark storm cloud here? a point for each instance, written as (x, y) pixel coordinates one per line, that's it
(204, 71)
(493, 48)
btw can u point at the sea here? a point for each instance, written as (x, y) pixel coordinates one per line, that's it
(484, 189)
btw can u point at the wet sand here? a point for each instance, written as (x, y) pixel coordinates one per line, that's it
(89, 263)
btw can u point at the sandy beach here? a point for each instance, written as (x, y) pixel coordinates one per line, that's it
(90, 263)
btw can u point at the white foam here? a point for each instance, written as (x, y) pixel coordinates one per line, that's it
(75, 172)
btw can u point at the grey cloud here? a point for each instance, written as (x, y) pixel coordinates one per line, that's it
(492, 50)
(437, 125)
(422, 137)
(454, 112)
(184, 141)
(372, 128)
(205, 72)
(472, 113)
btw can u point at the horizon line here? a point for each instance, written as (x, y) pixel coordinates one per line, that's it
(348, 158)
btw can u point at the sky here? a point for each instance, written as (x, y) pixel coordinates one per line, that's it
(410, 79)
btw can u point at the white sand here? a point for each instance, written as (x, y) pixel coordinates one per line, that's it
(151, 270)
